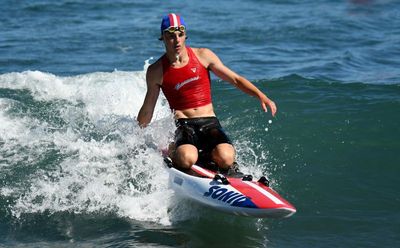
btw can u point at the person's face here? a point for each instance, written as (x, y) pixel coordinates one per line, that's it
(174, 41)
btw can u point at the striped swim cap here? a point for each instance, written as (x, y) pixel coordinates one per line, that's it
(172, 20)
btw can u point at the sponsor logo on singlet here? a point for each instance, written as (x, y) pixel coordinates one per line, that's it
(180, 85)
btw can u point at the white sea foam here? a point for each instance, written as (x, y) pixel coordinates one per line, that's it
(118, 92)
(105, 163)
(81, 151)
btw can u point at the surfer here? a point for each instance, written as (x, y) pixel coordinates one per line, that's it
(182, 73)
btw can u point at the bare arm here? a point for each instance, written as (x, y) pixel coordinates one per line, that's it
(153, 90)
(211, 61)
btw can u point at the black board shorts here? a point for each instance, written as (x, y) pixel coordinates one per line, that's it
(205, 133)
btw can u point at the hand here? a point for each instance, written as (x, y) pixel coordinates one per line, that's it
(268, 102)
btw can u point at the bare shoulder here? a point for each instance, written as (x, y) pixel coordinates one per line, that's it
(206, 56)
(154, 72)
(203, 52)
(155, 66)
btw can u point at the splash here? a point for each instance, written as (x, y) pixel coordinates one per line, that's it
(72, 144)
(77, 148)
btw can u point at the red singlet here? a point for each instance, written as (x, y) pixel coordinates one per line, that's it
(186, 87)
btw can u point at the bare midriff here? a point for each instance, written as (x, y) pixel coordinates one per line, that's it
(203, 111)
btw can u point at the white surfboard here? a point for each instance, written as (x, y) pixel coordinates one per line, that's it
(239, 196)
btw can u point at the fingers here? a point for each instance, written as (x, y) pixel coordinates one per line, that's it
(271, 105)
(273, 108)
(264, 107)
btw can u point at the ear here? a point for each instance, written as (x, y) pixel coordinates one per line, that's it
(161, 36)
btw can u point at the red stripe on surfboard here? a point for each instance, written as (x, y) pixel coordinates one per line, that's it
(259, 193)
(255, 191)
(203, 172)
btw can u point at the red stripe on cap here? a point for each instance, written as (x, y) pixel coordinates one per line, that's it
(174, 20)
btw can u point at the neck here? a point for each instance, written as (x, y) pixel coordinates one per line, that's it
(178, 58)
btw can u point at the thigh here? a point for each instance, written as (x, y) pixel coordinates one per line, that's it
(224, 155)
(186, 149)
(185, 156)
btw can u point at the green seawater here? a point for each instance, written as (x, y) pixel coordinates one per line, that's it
(331, 150)
(76, 171)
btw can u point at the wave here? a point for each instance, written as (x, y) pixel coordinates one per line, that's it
(72, 144)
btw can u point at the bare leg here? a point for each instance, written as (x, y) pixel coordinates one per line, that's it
(224, 155)
(185, 156)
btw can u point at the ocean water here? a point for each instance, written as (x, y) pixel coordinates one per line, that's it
(76, 171)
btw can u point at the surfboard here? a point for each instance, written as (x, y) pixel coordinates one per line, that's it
(239, 196)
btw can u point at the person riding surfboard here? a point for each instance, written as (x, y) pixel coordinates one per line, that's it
(183, 74)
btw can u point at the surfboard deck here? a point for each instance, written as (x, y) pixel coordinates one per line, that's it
(239, 196)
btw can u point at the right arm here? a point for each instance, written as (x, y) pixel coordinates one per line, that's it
(153, 81)
(211, 61)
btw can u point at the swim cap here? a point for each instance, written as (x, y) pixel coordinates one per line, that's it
(172, 20)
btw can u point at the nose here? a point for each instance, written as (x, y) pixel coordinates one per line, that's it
(176, 36)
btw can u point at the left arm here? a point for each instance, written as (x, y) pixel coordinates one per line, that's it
(212, 62)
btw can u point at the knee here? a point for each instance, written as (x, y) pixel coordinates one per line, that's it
(224, 155)
(186, 156)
